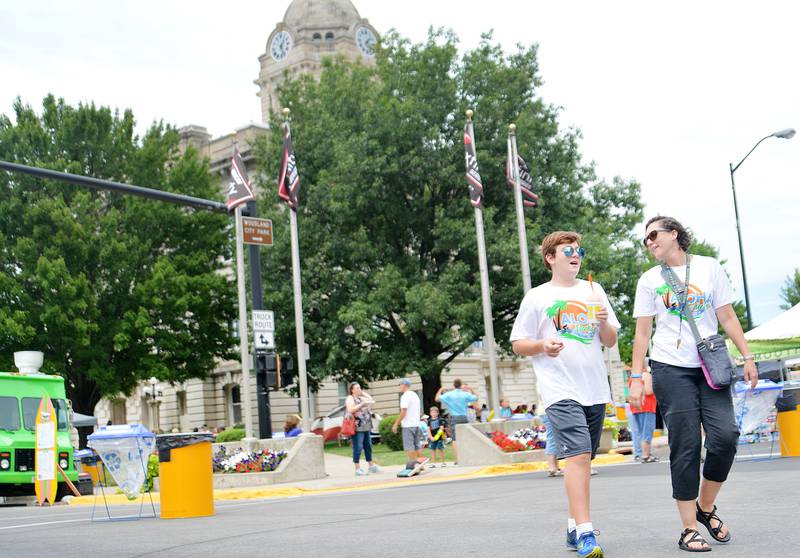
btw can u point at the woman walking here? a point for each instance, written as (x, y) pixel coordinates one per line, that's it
(677, 379)
(358, 404)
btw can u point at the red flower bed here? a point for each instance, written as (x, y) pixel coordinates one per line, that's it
(507, 444)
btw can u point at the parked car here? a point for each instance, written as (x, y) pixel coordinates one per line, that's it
(330, 424)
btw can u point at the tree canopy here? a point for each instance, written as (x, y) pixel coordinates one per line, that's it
(790, 291)
(113, 289)
(387, 235)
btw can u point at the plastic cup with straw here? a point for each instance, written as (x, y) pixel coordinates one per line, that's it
(593, 303)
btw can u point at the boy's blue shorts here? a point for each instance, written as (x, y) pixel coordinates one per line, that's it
(436, 445)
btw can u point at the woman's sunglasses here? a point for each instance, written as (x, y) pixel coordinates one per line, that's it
(570, 251)
(651, 236)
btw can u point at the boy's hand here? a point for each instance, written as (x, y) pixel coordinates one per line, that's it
(602, 315)
(552, 347)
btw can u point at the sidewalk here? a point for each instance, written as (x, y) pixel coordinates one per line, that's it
(341, 477)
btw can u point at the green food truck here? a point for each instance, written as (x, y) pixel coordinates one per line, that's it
(20, 395)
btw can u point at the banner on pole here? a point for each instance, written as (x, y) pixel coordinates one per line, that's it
(240, 190)
(525, 181)
(473, 173)
(289, 179)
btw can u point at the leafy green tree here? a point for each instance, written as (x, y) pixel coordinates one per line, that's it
(790, 292)
(112, 288)
(389, 259)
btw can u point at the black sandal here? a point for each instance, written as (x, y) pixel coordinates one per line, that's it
(706, 517)
(683, 542)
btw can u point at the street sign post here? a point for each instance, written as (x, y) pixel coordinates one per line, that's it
(257, 231)
(263, 339)
(263, 329)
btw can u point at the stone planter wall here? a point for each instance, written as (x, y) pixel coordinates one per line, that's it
(607, 441)
(475, 448)
(305, 461)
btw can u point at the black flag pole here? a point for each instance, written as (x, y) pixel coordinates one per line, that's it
(476, 198)
(288, 189)
(513, 159)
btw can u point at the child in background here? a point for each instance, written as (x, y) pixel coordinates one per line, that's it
(436, 436)
(423, 426)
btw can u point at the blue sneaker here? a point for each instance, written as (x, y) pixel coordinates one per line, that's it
(588, 547)
(572, 540)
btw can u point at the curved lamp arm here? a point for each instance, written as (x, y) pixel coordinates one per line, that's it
(733, 169)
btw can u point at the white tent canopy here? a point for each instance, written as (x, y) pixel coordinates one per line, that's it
(784, 326)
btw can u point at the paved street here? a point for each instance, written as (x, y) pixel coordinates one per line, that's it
(514, 515)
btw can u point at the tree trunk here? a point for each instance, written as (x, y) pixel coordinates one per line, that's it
(430, 385)
(84, 395)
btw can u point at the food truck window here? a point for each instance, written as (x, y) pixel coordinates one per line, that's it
(31, 404)
(9, 413)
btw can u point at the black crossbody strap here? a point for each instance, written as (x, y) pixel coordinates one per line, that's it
(682, 292)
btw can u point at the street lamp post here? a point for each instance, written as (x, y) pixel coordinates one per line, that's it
(154, 403)
(788, 133)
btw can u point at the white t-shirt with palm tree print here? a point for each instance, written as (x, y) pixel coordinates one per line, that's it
(578, 372)
(709, 289)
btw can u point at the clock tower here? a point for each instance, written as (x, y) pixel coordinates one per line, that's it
(311, 30)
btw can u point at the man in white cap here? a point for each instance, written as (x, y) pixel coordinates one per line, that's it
(409, 419)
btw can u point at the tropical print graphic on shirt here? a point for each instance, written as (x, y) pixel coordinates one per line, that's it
(697, 302)
(571, 320)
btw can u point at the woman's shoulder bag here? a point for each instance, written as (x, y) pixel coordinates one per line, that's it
(714, 358)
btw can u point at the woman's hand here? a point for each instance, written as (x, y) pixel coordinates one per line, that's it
(647, 380)
(751, 373)
(730, 323)
(636, 393)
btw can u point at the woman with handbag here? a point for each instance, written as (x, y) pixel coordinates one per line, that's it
(689, 296)
(358, 409)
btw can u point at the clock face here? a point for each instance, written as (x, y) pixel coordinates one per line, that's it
(365, 39)
(281, 43)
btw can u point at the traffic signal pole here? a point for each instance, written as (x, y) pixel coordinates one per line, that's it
(262, 392)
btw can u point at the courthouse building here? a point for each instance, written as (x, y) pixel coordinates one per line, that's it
(310, 31)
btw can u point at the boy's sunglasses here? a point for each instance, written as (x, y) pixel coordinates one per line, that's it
(570, 251)
(651, 236)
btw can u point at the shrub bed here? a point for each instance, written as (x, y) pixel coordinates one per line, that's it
(394, 441)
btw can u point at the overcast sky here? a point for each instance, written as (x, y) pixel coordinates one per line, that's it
(668, 94)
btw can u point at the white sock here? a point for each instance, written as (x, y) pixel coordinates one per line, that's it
(571, 524)
(583, 528)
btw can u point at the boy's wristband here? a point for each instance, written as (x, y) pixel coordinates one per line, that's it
(636, 376)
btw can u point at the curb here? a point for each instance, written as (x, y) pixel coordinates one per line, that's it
(294, 492)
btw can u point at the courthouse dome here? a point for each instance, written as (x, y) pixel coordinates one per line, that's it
(320, 13)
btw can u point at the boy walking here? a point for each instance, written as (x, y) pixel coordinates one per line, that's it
(563, 325)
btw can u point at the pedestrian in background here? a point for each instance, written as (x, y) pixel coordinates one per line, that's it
(409, 419)
(505, 409)
(291, 428)
(358, 404)
(643, 424)
(436, 436)
(553, 470)
(458, 401)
